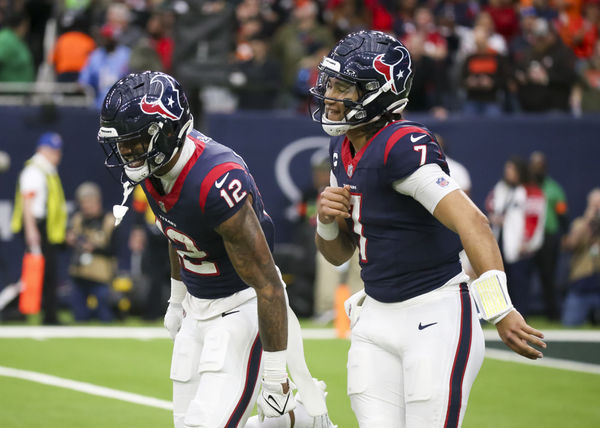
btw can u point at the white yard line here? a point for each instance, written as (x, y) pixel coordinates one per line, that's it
(40, 333)
(142, 333)
(146, 333)
(554, 363)
(85, 387)
(102, 391)
(592, 336)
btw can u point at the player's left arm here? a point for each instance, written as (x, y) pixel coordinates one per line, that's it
(420, 174)
(457, 212)
(174, 314)
(174, 262)
(251, 257)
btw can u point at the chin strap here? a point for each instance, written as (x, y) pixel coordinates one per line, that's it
(119, 211)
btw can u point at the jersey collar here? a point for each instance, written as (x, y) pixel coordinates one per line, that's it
(167, 201)
(350, 162)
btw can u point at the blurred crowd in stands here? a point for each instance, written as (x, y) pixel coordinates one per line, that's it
(485, 57)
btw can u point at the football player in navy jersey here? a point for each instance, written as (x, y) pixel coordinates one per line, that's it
(220, 239)
(417, 344)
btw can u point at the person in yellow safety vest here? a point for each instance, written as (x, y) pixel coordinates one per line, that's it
(40, 212)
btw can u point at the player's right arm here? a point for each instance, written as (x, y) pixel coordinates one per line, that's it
(333, 238)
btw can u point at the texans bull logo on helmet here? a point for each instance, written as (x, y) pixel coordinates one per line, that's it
(167, 104)
(386, 64)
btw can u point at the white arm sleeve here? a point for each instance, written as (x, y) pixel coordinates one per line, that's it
(428, 185)
(178, 291)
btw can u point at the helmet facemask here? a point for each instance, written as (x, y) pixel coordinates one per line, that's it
(141, 154)
(357, 113)
(380, 68)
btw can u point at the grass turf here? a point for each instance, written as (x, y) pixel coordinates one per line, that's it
(504, 395)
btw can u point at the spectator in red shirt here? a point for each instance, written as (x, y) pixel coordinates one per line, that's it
(505, 17)
(435, 44)
(155, 50)
(380, 18)
(517, 211)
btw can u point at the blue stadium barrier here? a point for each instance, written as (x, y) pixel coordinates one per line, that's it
(278, 147)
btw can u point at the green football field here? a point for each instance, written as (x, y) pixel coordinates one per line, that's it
(506, 394)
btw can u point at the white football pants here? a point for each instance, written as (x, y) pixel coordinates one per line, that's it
(411, 364)
(215, 369)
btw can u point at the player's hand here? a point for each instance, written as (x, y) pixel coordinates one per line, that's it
(173, 318)
(333, 202)
(275, 399)
(517, 335)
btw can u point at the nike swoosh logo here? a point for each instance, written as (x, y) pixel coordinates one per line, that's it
(421, 326)
(219, 184)
(224, 314)
(414, 140)
(271, 398)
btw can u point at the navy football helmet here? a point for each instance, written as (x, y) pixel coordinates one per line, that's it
(380, 68)
(144, 120)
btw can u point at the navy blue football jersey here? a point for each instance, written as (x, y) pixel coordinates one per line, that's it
(404, 250)
(212, 187)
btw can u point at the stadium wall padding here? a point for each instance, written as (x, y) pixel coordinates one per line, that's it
(278, 147)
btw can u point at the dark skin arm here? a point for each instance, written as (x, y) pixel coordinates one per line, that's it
(174, 260)
(251, 257)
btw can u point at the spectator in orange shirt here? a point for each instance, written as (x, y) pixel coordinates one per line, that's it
(484, 77)
(71, 51)
(575, 31)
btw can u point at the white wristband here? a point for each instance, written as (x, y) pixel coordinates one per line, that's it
(491, 297)
(328, 231)
(275, 367)
(178, 291)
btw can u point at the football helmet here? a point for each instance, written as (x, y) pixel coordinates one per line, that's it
(378, 65)
(144, 120)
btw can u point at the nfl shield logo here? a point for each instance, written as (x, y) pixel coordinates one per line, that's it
(442, 182)
(162, 206)
(350, 170)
